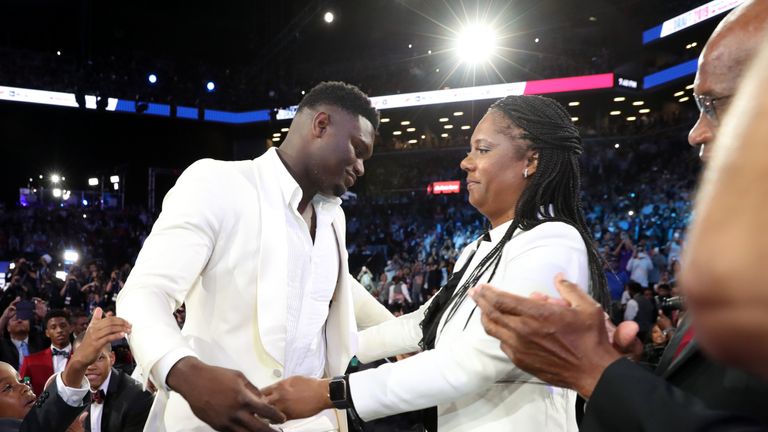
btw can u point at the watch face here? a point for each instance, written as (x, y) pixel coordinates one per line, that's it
(338, 390)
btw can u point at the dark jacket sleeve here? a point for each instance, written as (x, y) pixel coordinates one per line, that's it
(138, 409)
(629, 398)
(51, 413)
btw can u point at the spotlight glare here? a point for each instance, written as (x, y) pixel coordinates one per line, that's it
(685, 99)
(93, 181)
(55, 178)
(619, 99)
(328, 17)
(443, 119)
(56, 193)
(152, 78)
(71, 256)
(114, 179)
(211, 86)
(411, 129)
(397, 133)
(615, 113)
(616, 145)
(444, 135)
(476, 44)
(383, 120)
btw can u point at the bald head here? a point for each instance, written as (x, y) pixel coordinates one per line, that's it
(728, 52)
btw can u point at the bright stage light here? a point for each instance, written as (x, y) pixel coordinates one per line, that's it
(476, 44)
(328, 17)
(210, 86)
(152, 78)
(93, 181)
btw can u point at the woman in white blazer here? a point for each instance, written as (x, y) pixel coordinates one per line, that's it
(523, 175)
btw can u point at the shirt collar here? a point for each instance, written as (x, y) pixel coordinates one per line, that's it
(498, 232)
(290, 189)
(18, 342)
(67, 348)
(105, 385)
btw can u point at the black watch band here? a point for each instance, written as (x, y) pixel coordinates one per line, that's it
(338, 392)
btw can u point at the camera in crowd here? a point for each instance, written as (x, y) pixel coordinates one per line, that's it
(668, 305)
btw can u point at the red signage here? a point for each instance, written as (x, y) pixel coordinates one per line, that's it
(444, 187)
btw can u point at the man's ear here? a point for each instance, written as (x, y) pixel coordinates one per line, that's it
(320, 122)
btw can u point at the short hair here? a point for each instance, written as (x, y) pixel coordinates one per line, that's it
(78, 313)
(57, 313)
(342, 95)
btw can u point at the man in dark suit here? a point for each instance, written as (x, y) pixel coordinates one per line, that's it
(118, 403)
(565, 343)
(42, 365)
(19, 341)
(59, 405)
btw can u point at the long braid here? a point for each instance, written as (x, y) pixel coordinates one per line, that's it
(553, 194)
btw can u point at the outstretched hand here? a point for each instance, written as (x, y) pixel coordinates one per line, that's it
(299, 397)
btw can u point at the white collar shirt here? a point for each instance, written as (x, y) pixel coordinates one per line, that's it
(59, 362)
(97, 410)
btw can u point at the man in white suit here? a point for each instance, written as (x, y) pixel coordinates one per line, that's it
(256, 251)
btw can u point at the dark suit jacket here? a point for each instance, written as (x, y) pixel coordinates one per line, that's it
(126, 406)
(9, 353)
(38, 367)
(50, 414)
(685, 394)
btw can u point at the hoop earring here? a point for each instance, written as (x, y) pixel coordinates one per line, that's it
(525, 173)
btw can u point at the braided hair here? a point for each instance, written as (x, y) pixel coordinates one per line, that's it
(552, 194)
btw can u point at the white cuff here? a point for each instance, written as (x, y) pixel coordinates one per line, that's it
(161, 368)
(72, 396)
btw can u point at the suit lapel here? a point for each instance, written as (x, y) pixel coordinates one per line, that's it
(113, 394)
(340, 330)
(271, 272)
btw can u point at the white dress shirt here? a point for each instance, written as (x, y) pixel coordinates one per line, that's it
(60, 362)
(98, 409)
(73, 396)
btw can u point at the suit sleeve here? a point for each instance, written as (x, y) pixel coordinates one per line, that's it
(168, 266)
(53, 413)
(138, 411)
(630, 398)
(467, 361)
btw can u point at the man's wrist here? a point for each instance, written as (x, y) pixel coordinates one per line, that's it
(325, 389)
(180, 371)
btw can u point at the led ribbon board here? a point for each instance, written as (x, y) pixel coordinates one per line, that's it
(688, 19)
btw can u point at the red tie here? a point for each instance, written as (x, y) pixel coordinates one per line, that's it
(97, 397)
(687, 338)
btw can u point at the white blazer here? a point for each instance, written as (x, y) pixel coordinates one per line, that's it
(473, 383)
(218, 247)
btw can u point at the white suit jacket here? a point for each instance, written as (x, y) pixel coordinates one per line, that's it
(219, 247)
(473, 383)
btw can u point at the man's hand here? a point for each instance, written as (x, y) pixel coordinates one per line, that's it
(223, 398)
(10, 311)
(567, 346)
(299, 397)
(99, 333)
(79, 424)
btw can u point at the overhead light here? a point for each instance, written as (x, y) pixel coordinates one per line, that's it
(458, 113)
(116, 186)
(437, 69)
(210, 86)
(41, 176)
(631, 213)
(644, 111)
(30, 179)
(684, 99)
(410, 45)
(689, 86)
(276, 134)
(61, 274)
(429, 52)
(616, 145)
(384, 120)
(448, 127)
(275, 139)
(411, 130)
(423, 137)
(637, 103)
(536, 40)
(680, 93)
(55, 178)
(615, 113)
(152, 78)
(465, 127)
(593, 19)
(284, 130)
(574, 119)
(574, 103)
(632, 118)
(114, 179)
(444, 135)
(58, 53)
(443, 120)
(405, 122)
(71, 256)
(328, 17)
(397, 133)
(413, 141)
(476, 44)
(693, 45)
(56, 193)
(93, 181)
(619, 99)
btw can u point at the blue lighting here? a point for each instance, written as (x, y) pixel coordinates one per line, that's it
(152, 78)
(211, 86)
(670, 74)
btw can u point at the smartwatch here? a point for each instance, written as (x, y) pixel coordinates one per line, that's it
(338, 392)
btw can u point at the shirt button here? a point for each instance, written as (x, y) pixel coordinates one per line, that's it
(277, 373)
